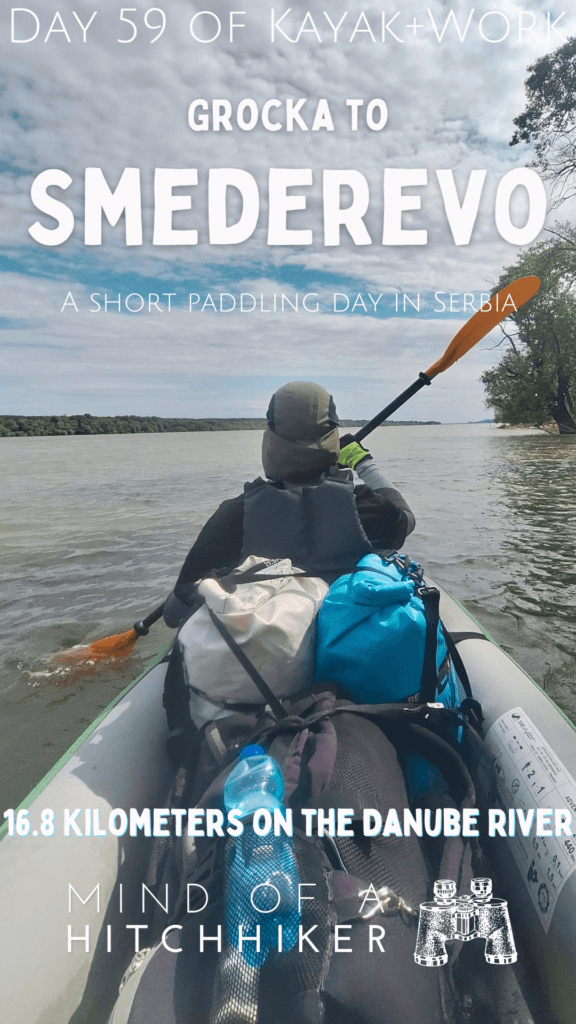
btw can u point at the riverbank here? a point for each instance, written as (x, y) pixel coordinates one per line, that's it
(67, 426)
(548, 428)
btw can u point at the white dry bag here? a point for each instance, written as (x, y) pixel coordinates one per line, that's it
(272, 621)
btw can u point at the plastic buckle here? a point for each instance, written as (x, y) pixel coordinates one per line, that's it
(434, 712)
(471, 712)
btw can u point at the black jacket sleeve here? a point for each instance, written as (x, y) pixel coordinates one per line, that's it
(384, 513)
(218, 544)
(384, 524)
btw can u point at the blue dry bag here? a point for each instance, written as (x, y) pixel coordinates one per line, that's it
(379, 636)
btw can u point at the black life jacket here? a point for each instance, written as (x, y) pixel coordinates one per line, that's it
(316, 526)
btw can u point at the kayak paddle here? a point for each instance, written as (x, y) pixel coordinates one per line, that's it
(506, 301)
(82, 658)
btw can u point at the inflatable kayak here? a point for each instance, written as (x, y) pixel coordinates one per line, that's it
(70, 870)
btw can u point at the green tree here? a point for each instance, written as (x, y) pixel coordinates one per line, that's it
(549, 120)
(536, 378)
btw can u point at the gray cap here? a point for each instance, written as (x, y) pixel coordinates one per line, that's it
(302, 437)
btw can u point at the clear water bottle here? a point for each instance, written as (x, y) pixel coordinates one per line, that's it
(261, 870)
(255, 782)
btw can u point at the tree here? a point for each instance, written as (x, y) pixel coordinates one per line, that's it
(549, 120)
(536, 378)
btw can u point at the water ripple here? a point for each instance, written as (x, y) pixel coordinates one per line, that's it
(94, 530)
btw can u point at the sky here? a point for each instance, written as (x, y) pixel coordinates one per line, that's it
(103, 103)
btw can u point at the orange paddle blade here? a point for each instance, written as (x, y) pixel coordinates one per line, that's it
(83, 657)
(506, 301)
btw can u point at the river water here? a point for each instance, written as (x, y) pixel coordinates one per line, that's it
(93, 531)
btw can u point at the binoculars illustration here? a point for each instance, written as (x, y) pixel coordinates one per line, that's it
(479, 916)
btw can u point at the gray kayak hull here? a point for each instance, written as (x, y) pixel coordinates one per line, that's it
(120, 762)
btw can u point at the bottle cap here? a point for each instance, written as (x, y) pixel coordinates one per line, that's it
(252, 750)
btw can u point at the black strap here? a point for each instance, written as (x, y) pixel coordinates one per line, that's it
(430, 598)
(457, 661)
(468, 635)
(231, 578)
(176, 701)
(247, 665)
(254, 575)
(396, 715)
(416, 723)
(471, 707)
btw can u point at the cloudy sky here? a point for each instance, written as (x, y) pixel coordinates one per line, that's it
(103, 103)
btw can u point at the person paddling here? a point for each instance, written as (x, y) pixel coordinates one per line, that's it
(217, 532)
(307, 509)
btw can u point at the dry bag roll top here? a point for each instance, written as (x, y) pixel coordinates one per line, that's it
(372, 635)
(271, 620)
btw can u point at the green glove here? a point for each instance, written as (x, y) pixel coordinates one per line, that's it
(353, 454)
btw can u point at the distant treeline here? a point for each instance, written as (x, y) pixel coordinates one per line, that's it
(43, 426)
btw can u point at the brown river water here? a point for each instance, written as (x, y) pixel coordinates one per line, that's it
(93, 531)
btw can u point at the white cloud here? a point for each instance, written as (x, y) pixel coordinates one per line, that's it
(164, 363)
(111, 105)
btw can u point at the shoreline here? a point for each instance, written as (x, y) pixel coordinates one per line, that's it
(86, 424)
(548, 428)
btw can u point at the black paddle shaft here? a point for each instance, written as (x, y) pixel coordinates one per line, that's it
(420, 383)
(143, 626)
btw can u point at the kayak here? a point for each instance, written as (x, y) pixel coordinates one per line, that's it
(66, 946)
